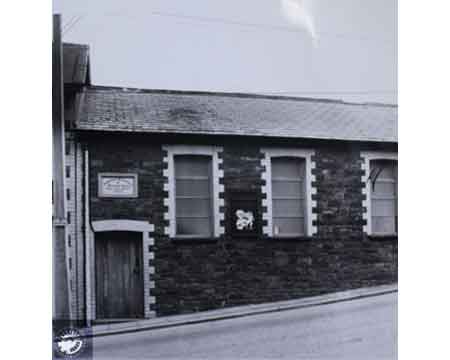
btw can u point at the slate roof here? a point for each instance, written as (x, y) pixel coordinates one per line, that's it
(75, 64)
(164, 111)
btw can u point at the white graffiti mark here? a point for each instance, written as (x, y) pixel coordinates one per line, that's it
(244, 220)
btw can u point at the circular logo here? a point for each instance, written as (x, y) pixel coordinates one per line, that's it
(69, 343)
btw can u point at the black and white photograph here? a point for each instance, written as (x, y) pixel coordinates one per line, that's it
(225, 179)
(253, 179)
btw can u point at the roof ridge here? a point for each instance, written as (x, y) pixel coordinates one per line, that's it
(234, 94)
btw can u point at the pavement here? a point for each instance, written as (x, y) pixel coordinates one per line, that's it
(362, 327)
(238, 311)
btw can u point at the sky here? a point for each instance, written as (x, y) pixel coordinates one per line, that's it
(337, 49)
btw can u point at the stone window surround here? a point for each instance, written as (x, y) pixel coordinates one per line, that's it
(367, 157)
(169, 185)
(310, 190)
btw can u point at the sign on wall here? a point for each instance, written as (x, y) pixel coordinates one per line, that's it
(117, 185)
(243, 218)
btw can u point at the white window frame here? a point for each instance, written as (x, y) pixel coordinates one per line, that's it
(169, 186)
(266, 162)
(369, 156)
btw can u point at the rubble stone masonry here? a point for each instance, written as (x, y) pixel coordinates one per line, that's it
(202, 274)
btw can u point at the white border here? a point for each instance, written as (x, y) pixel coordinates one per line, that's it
(306, 154)
(169, 186)
(367, 157)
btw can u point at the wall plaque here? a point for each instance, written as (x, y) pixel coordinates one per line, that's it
(117, 185)
(244, 215)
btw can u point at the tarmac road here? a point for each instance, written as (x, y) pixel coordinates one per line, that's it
(358, 329)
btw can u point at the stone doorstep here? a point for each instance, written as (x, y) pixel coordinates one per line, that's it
(238, 311)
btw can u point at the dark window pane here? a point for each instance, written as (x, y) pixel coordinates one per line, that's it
(384, 189)
(387, 172)
(193, 207)
(385, 168)
(287, 208)
(199, 226)
(284, 167)
(195, 165)
(383, 225)
(383, 207)
(193, 188)
(291, 226)
(291, 189)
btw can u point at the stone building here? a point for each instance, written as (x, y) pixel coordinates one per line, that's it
(190, 201)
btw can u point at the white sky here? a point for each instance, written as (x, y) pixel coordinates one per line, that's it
(339, 46)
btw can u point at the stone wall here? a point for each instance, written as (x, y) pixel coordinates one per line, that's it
(339, 192)
(199, 275)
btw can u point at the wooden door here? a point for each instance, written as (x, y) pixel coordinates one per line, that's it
(119, 275)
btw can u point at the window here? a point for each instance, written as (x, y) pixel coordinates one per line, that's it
(380, 190)
(288, 196)
(289, 189)
(383, 182)
(194, 195)
(193, 201)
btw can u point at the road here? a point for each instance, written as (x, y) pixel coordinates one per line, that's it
(358, 329)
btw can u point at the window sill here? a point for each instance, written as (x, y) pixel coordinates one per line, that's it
(384, 237)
